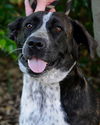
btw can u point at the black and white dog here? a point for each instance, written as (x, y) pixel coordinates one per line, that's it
(55, 91)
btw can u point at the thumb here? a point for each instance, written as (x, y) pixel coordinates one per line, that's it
(28, 9)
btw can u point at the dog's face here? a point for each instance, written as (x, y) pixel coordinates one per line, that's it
(49, 41)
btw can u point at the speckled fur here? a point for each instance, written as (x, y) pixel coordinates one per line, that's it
(40, 103)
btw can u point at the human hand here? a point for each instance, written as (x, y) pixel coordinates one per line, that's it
(41, 6)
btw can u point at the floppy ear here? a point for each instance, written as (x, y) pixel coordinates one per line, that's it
(81, 36)
(14, 27)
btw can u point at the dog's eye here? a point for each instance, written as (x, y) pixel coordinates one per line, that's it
(58, 29)
(29, 26)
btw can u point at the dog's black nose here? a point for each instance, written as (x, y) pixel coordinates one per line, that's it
(36, 43)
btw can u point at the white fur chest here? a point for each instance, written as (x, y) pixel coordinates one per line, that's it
(40, 104)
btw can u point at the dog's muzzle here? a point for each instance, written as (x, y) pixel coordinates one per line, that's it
(34, 46)
(33, 51)
(36, 43)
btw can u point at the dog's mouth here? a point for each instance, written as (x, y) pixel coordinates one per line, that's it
(37, 65)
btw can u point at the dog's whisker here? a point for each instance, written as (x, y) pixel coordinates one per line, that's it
(15, 50)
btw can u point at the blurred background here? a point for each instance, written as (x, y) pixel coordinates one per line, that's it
(11, 77)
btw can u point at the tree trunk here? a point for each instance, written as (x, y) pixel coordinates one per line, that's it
(96, 19)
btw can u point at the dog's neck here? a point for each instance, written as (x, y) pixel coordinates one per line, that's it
(40, 103)
(53, 76)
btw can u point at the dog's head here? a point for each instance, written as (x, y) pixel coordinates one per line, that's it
(49, 41)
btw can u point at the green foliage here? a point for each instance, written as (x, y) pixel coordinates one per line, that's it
(6, 44)
(8, 13)
(81, 10)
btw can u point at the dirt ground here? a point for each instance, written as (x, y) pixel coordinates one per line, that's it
(10, 91)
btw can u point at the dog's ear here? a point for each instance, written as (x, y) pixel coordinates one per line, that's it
(14, 27)
(81, 36)
(68, 7)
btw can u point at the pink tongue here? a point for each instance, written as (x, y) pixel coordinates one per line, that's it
(37, 65)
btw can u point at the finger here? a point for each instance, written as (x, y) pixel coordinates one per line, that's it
(28, 9)
(41, 5)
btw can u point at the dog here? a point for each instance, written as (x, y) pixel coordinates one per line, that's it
(55, 91)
